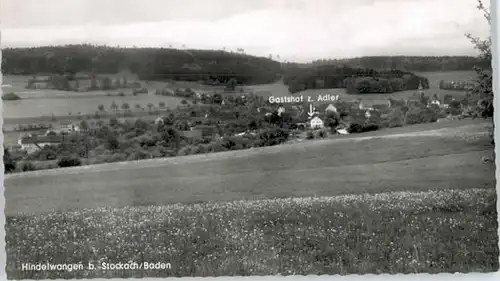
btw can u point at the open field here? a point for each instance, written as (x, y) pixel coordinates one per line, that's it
(418, 161)
(63, 106)
(404, 232)
(435, 77)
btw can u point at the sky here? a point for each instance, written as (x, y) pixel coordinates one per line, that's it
(295, 30)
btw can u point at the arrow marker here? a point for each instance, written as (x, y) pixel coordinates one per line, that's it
(311, 111)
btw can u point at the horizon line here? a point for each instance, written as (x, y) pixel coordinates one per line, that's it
(233, 52)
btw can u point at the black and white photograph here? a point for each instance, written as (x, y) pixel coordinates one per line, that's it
(163, 138)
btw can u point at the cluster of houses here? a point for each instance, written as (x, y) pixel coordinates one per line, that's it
(31, 143)
(367, 108)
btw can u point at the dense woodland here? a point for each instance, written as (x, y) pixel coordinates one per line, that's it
(411, 63)
(149, 63)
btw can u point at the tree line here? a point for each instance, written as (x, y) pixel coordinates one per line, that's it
(411, 63)
(210, 66)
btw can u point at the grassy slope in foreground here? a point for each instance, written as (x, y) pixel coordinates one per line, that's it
(434, 231)
(323, 168)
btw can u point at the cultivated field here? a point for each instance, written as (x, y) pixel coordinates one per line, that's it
(40, 102)
(440, 214)
(435, 77)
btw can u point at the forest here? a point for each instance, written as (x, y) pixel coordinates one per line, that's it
(411, 63)
(209, 66)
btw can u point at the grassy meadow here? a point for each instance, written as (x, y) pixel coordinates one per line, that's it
(401, 232)
(425, 203)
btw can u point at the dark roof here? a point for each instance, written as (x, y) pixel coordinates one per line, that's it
(41, 139)
(191, 134)
(206, 129)
(371, 103)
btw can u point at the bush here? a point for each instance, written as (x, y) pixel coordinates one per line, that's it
(27, 166)
(361, 128)
(9, 163)
(395, 118)
(46, 165)
(309, 135)
(69, 161)
(217, 147)
(355, 128)
(186, 150)
(421, 115)
(11, 96)
(452, 111)
(273, 136)
(322, 133)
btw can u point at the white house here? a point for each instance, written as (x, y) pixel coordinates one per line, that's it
(281, 109)
(317, 123)
(435, 102)
(158, 121)
(342, 132)
(330, 108)
(67, 127)
(362, 106)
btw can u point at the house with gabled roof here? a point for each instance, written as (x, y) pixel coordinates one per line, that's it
(434, 101)
(32, 143)
(159, 120)
(330, 108)
(317, 123)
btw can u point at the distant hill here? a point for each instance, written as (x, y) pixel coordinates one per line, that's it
(148, 63)
(406, 63)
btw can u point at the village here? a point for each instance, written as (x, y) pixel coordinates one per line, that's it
(302, 120)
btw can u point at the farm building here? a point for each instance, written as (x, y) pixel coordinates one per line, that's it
(32, 143)
(67, 127)
(371, 104)
(317, 123)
